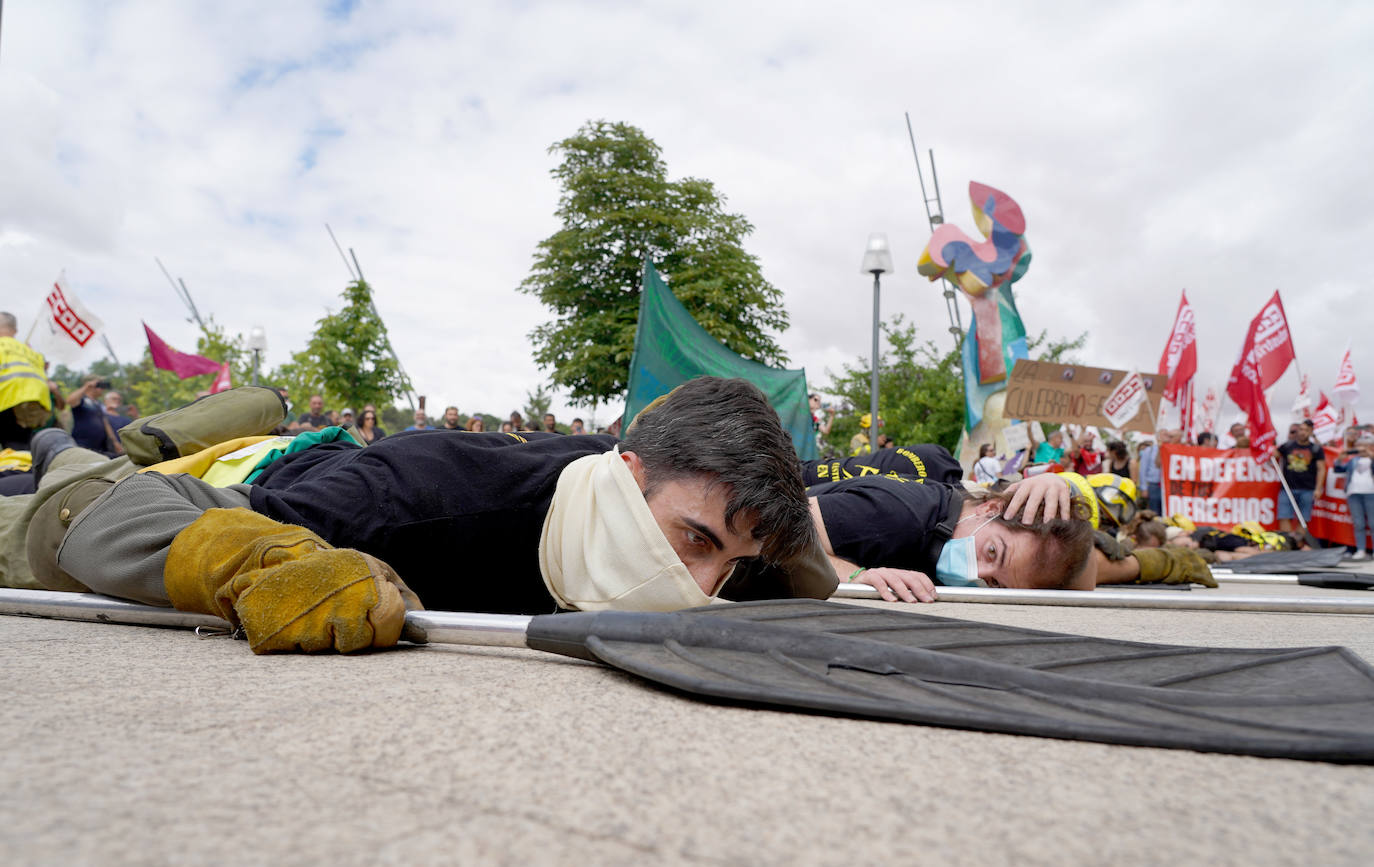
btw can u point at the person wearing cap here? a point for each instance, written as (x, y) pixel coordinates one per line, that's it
(703, 481)
(346, 417)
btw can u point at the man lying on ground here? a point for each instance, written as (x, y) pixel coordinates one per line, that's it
(326, 547)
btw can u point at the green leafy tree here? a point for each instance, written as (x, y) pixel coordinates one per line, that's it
(617, 208)
(920, 392)
(347, 359)
(920, 388)
(537, 403)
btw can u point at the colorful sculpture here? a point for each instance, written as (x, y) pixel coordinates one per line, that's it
(980, 268)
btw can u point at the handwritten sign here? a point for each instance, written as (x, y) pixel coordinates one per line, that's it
(1073, 394)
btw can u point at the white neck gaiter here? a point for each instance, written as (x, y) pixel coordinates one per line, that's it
(601, 547)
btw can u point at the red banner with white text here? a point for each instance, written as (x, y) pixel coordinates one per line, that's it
(1330, 515)
(1219, 487)
(1223, 487)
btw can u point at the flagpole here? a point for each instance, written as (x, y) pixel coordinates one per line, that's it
(1289, 491)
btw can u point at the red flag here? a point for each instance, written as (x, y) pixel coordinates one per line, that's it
(1268, 345)
(1347, 387)
(1326, 422)
(183, 364)
(1179, 361)
(222, 382)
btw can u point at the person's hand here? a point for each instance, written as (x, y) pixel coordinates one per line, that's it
(898, 584)
(1029, 494)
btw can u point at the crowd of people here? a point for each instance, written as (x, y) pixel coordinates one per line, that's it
(365, 423)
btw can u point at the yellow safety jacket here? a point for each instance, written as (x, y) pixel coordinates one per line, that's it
(22, 376)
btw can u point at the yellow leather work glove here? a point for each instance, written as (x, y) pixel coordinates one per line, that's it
(284, 585)
(1172, 566)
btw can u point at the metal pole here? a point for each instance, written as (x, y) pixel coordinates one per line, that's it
(256, 353)
(432, 627)
(1293, 501)
(347, 264)
(410, 395)
(873, 398)
(1131, 599)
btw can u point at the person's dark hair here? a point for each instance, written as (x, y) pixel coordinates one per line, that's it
(1062, 546)
(725, 429)
(1119, 450)
(1150, 534)
(1206, 437)
(986, 449)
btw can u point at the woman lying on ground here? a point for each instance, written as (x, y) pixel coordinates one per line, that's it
(903, 537)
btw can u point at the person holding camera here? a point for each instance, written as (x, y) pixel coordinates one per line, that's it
(90, 424)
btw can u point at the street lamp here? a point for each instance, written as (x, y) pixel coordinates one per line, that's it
(877, 261)
(257, 341)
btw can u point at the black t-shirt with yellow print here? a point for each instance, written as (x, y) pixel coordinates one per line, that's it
(890, 521)
(923, 462)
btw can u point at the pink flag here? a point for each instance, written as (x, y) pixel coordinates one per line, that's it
(222, 382)
(183, 364)
(1347, 387)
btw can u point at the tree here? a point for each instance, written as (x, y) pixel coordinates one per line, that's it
(920, 392)
(347, 359)
(617, 209)
(920, 389)
(537, 403)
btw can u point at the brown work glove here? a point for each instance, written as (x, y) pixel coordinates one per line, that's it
(1172, 566)
(284, 585)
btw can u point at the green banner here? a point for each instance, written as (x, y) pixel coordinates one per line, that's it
(671, 347)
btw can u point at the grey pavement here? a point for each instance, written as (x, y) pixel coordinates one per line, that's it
(134, 745)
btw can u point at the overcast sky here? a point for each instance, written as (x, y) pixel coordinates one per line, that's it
(1221, 147)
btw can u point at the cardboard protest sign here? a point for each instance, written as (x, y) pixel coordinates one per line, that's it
(1073, 394)
(1330, 513)
(1219, 487)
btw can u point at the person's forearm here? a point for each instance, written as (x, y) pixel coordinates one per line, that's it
(844, 570)
(1115, 571)
(75, 397)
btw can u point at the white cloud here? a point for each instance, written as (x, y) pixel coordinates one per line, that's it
(1218, 147)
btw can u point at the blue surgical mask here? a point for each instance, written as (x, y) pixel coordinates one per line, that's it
(957, 565)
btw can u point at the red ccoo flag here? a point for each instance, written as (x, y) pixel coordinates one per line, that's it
(1179, 363)
(1347, 387)
(183, 364)
(1268, 345)
(1266, 355)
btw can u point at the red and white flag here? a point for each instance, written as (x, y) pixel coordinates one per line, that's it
(1326, 421)
(1347, 387)
(1268, 346)
(64, 328)
(1266, 355)
(222, 381)
(1125, 401)
(1205, 414)
(1179, 363)
(1302, 404)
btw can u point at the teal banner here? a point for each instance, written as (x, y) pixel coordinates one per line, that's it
(671, 347)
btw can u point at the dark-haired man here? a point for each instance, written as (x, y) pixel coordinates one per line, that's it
(312, 555)
(1304, 469)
